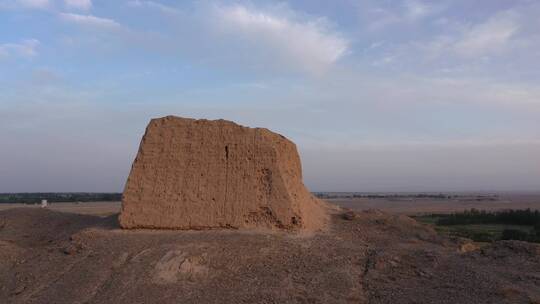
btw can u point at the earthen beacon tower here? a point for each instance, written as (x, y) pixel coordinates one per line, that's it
(202, 174)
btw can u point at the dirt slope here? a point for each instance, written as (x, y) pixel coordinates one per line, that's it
(373, 257)
(199, 174)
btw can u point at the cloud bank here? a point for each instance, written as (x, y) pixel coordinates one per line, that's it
(401, 95)
(26, 48)
(90, 21)
(79, 4)
(309, 43)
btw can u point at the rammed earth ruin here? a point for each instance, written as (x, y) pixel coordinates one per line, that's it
(203, 174)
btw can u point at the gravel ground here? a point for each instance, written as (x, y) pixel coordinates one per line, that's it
(365, 257)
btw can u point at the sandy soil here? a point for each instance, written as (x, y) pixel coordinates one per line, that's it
(90, 208)
(408, 207)
(366, 257)
(421, 206)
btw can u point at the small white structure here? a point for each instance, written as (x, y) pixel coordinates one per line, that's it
(44, 203)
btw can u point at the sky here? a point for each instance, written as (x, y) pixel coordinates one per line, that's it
(401, 95)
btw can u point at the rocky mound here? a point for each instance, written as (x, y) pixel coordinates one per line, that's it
(367, 257)
(200, 174)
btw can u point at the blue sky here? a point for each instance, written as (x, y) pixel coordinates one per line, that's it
(401, 95)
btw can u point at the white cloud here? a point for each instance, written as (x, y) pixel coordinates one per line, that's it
(34, 3)
(79, 4)
(408, 13)
(492, 36)
(26, 48)
(416, 10)
(154, 5)
(91, 21)
(309, 43)
(382, 18)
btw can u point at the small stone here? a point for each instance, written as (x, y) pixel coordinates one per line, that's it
(18, 290)
(71, 249)
(349, 215)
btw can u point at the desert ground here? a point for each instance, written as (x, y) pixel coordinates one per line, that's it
(405, 206)
(89, 208)
(418, 206)
(76, 253)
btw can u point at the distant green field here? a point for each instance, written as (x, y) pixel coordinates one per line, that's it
(483, 226)
(476, 232)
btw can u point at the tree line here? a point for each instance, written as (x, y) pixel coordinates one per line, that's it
(35, 198)
(526, 217)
